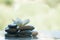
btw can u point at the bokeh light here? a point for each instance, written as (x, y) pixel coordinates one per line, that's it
(43, 14)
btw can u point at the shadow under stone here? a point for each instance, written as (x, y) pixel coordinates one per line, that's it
(20, 38)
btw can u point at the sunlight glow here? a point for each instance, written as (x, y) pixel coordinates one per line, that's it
(42, 16)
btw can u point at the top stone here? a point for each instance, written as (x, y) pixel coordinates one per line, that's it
(12, 26)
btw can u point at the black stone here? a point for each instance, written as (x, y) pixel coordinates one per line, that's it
(25, 33)
(12, 31)
(10, 35)
(12, 26)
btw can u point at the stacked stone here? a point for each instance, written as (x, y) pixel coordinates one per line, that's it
(11, 30)
(25, 31)
(17, 30)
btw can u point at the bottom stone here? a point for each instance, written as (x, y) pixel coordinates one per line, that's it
(25, 36)
(10, 35)
(16, 35)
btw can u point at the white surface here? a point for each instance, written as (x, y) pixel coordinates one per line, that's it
(43, 35)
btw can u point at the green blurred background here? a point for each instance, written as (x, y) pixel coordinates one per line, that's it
(43, 14)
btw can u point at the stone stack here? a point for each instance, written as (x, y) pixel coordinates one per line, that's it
(14, 30)
(25, 31)
(11, 30)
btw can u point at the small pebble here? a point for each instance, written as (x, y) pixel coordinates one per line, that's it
(34, 33)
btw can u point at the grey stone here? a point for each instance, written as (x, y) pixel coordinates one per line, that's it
(26, 28)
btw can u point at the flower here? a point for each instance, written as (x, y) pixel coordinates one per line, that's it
(19, 22)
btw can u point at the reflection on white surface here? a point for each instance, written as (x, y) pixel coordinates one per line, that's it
(43, 35)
